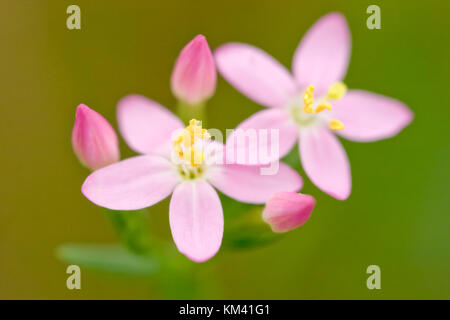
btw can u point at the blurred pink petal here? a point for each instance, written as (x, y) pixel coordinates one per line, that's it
(131, 184)
(323, 55)
(247, 184)
(196, 220)
(369, 117)
(261, 145)
(194, 76)
(288, 210)
(325, 162)
(145, 125)
(93, 139)
(255, 73)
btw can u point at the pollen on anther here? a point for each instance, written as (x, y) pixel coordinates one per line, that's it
(308, 99)
(324, 105)
(336, 125)
(184, 143)
(337, 90)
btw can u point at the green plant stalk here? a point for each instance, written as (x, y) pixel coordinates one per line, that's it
(132, 229)
(187, 112)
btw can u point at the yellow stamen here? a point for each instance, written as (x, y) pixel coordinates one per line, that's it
(184, 143)
(205, 134)
(194, 156)
(337, 90)
(308, 99)
(336, 125)
(324, 105)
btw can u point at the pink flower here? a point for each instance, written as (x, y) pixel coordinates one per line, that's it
(93, 139)
(288, 210)
(319, 65)
(194, 76)
(195, 214)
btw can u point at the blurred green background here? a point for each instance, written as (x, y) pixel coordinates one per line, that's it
(397, 216)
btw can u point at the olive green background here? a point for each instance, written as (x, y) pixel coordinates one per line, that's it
(397, 216)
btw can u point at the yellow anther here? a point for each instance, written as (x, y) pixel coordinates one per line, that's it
(178, 150)
(178, 140)
(198, 157)
(337, 90)
(194, 156)
(187, 138)
(324, 105)
(308, 109)
(336, 125)
(308, 99)
(205, 134)
(184, 143)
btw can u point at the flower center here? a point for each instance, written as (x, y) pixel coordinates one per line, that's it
(311, 108)
(187, 148)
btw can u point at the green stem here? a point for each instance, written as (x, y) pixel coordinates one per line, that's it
(178, 279)
(132, 229)
(187, 112)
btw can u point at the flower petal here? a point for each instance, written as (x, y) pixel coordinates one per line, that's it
(325, 162)
(146, 126)
(131, 184)
(255, 73)
(196, 220)
(247, 184)
(368, 116)
(323, 55)
(266, 136)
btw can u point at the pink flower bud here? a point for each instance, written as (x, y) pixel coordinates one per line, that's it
(194, 76)
(288, 210)
(93, 139)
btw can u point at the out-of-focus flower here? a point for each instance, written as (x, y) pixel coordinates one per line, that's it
(194, 76)
(285, 211)
(174, 164)
(300, 104)
(93, 139)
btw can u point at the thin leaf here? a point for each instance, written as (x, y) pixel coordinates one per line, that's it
(108, 258)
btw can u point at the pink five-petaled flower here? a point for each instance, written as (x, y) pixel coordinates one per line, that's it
(288, 210)
(194, 76)
(93, 139)
(319, 65)
(195, 214)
